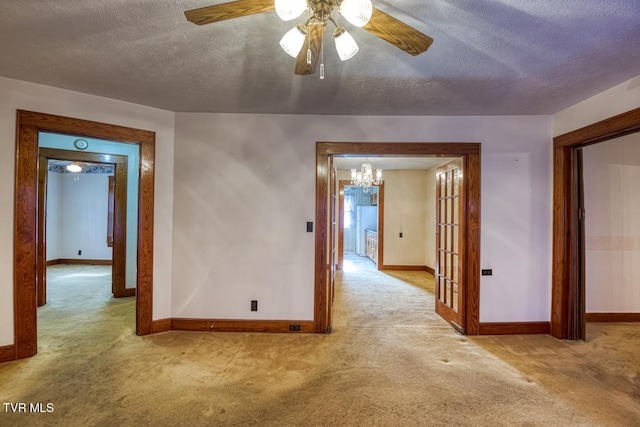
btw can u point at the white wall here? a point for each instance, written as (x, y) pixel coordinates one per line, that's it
(54, 215)
(84, 217)
(245, 186)
(612, 225)
(405, 211)
(77, 217)
(15, 95)
(617, 100)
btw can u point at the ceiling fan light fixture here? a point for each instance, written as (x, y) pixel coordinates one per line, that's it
(345, 44)
(294, 39)
(357, 12)
(290, 9)
(309, 36)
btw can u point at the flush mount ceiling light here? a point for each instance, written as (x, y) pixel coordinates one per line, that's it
(74, 168)
(364, 177)
(310, 34)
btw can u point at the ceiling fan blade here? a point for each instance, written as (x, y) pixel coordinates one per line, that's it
(313, 41)
(234, 9)
(397, 33)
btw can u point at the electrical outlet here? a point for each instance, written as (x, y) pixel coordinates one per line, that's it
(309, 227)
(294, 328)
(254, 305)
(487, 272)
(79, 252)
(400, 234)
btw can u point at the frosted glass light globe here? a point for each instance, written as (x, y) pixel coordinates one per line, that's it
(357, 12)
(290, 9)
(292, 41)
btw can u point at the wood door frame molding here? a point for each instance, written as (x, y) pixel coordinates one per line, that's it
(471, 153)
(347, 183)
(565, 297)
(28, 125)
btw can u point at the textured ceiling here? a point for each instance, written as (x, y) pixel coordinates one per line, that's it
(488, 57)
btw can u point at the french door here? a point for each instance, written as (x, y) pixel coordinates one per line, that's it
(450, 232)
(333, 240)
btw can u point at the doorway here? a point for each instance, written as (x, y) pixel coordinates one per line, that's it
(326, 188)
(118, 217)
(347, 211)
(611, 226)
(568, 319)
(29, 125)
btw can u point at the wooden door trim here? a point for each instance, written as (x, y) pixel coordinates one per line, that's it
(41, 265)
(380, 258)
(471, 151)
(119, 248)
(321, 255)
(29, 124)
(565, 296)
(120, 232)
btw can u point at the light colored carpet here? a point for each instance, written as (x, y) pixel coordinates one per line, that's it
(391, 361)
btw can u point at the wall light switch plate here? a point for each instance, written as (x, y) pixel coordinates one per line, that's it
(309, 227)
(487, 272)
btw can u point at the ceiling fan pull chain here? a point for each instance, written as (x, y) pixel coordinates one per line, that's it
(322, 59)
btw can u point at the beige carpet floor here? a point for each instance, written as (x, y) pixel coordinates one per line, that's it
(391, 361)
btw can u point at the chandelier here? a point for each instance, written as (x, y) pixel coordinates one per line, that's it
(356, 12)
(364, 177)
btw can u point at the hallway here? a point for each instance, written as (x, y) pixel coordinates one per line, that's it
(81, 310)
(371, 298)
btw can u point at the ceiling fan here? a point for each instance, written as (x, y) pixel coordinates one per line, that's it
(311, 34)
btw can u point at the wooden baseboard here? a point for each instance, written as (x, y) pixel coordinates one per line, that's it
(515, 328)
(80, 261)
(405, 267)
(430, 270)
(7, 353)
(612, 317)
(240, 325)
(162, 325)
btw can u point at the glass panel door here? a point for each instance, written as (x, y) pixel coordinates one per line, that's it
(449, 242)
